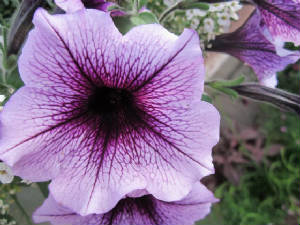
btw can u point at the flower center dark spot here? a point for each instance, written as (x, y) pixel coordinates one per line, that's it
(130, 208)
(93, 4)
(108, 101)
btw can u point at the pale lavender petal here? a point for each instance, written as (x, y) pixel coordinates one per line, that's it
(107, 114)
(144, 210)
(74, 5)
(281, 18)
(270, 81)
(70, 5)
(249, 45)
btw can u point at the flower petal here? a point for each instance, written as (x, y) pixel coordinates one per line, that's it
(251, 46)
(129, 211)
(281, 18)
(70, 5)
(270, 81)
(69, 57)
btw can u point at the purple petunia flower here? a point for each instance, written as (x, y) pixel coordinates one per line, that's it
(102, 114)
(137, 210)
(249, 45)
(280, 20)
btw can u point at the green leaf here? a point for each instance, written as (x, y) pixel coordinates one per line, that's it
(21, 25)
(228, 83)
(3, 89)
(227, 91)
(43, 186)
(124, 23)
(10, 62)
(14, 80)
(206, 98)
(2, 48)
(194, 5)
(144, 18)
(112, 7)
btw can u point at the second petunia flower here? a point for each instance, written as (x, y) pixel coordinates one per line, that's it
(136, 209)
(102, 114)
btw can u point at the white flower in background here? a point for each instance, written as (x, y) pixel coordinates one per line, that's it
(189, 14)
(232, 8)
(6, 175)
(214, 21)
(233, 15)
(3, 208)
(209, 25)
(28, 182)
(216, 7)
(195, 23)
(197, 12)
(223, 19)
(234, 5)
(5, 222)
(2, 98)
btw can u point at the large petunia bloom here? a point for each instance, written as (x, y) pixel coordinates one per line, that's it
(138, 210)
(250, 46)
(280, 20)
(102, 114)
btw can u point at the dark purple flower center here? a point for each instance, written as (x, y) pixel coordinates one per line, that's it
(108, 101)
(94, 4)
(141, 207)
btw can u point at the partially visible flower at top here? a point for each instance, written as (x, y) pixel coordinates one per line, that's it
(142, 209)
(249, 45)
(6, 175)
(74, 5)
(102, 114)
(280, 21)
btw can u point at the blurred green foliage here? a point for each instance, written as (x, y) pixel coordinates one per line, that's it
(7, 8)
(268, 193)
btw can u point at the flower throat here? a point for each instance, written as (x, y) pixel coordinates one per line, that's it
(106, 100)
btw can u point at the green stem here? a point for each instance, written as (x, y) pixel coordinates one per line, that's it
(21, 208)
(3, 77)
(168, 11)
(136, 6)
